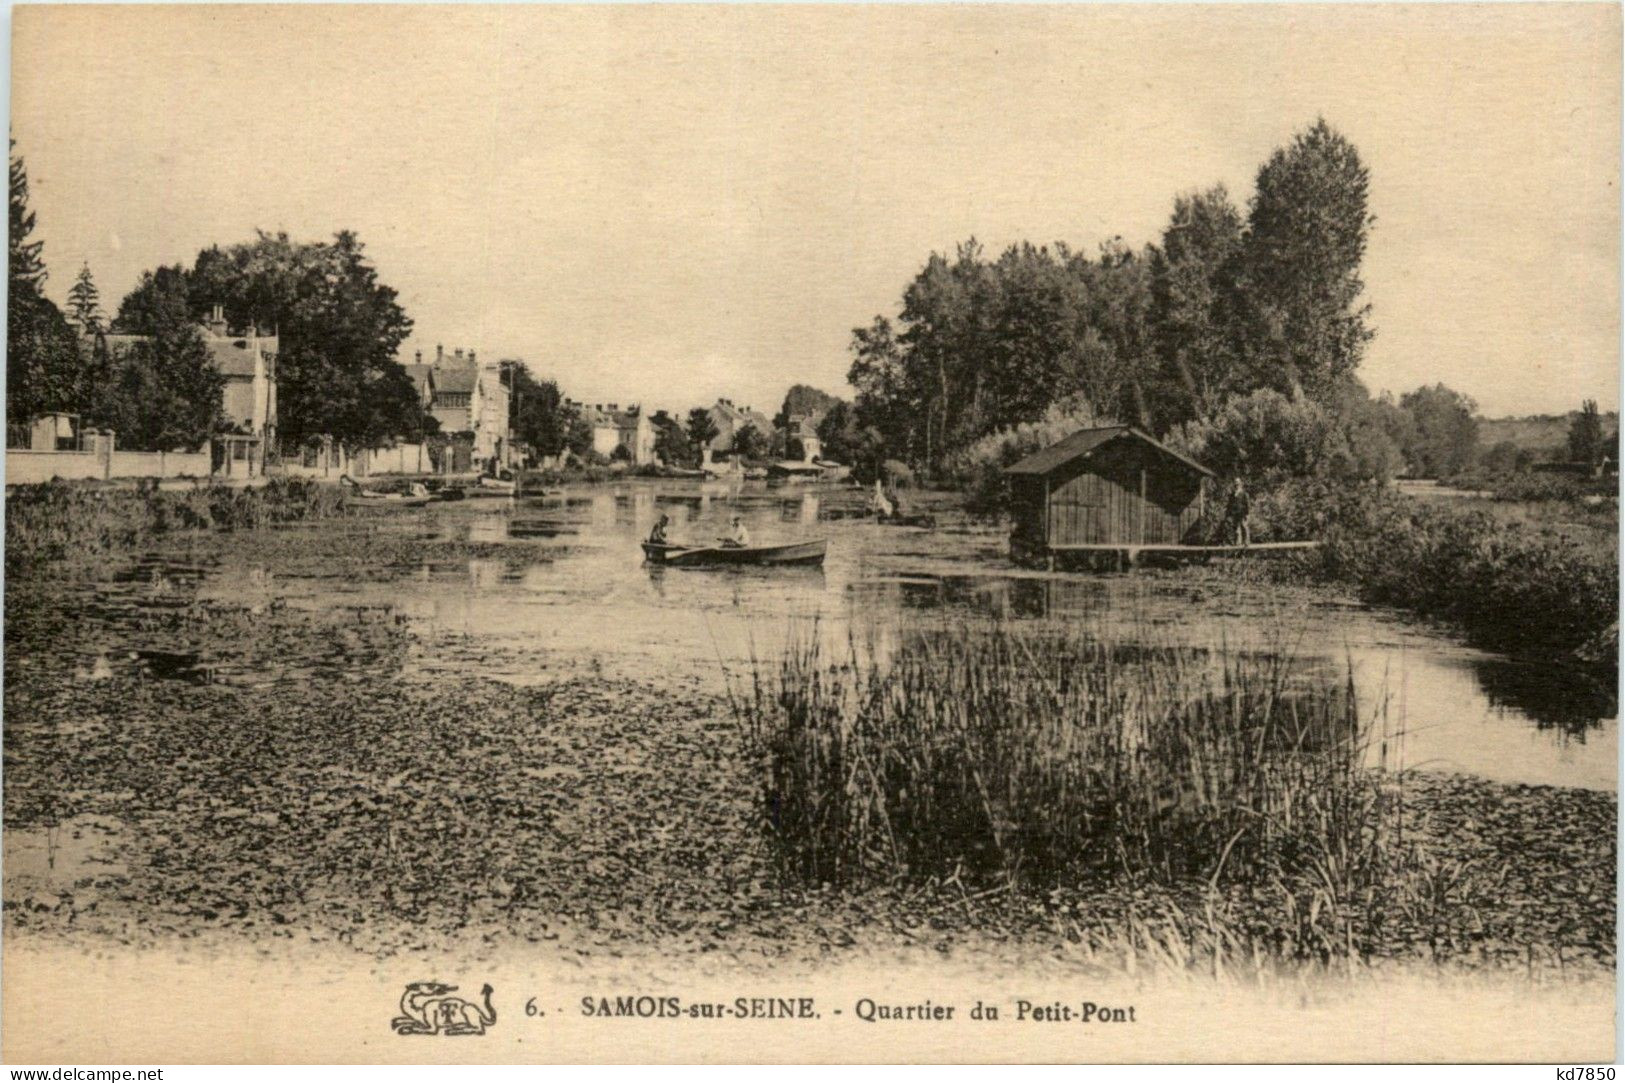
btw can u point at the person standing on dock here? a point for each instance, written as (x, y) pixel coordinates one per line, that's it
(1237, 513)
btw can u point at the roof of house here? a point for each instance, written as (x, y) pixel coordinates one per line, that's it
(232, 357)
(422, 376)
(1085, 442)
(456, 379)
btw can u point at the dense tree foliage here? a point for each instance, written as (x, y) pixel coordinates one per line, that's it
(1586, 441)
(1445, 436)
(339, 329)
(46, 370)
(702, 428)
(1221, 307)
(803, 401)
(672, 445)
(163, 392)
(540, 417)
(749, 443)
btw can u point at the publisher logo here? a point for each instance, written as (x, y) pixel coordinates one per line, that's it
(428, 1007)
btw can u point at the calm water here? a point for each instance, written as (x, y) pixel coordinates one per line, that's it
(559, 587)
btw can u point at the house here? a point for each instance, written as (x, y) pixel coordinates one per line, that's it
(246, 358)
(802, 429)
(468, 397)
(616, 433)
(248, 401)
(729, 419)
(1111, 488)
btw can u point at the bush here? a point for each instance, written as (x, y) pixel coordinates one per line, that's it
(897, 474)
(1511, 586)
(1269, 438)
(978, 468)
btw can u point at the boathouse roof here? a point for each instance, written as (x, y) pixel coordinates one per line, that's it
(1086, 442)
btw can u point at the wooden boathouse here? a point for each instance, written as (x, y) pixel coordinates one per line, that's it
(1110, 487)
(1113, 492)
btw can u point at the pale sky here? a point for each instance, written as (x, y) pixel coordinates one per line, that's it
(667, 204)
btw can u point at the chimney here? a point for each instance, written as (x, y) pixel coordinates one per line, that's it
(418, 357)
(470, 357)
(439, 353)
(459, 354)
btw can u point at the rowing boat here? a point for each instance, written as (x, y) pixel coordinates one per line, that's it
(809, 552)
(367, 498)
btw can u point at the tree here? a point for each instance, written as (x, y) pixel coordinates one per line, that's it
(748, 442)
(1300, 265)
(46, 370)
(1193, 309)
(1446, 431)
(803, 401)
(163, 391)
(540, 417)
(1586, 442)
(84, 303)
(702, 429)
(26, 267)
(672, 445)
(1268, 438)
(338, 331)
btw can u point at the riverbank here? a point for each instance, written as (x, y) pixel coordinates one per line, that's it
(593, 817)
(64, 521)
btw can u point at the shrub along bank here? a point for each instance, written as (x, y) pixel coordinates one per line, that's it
(1531, 588)
(60, 520)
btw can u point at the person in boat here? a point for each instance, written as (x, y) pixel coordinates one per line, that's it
(657, 536)
(1237, 513)
(740, 538)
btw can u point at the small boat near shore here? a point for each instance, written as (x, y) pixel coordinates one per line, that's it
(367, 498)
(692, 556)
(414, 495)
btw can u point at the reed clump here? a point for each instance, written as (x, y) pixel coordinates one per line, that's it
(1003, 755)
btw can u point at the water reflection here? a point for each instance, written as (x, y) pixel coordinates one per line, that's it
(557, 582)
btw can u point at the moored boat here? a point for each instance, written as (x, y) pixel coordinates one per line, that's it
(797, 553)
(367, 498)
(408, 495)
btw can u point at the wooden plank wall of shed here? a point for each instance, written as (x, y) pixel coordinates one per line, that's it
(1098, 499)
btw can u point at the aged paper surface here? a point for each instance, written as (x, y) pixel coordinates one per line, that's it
(1181, 627)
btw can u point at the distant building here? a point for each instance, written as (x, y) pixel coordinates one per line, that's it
(422, 377)
(628, 431)
(803, 430)
(248, 361)
(729, 419)
(468, 397)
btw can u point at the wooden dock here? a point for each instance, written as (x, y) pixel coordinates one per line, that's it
(1128, 553)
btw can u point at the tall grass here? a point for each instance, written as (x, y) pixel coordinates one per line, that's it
(1004, 755)
(59, 520)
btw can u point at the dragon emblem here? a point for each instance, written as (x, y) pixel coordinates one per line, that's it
(428, 1008)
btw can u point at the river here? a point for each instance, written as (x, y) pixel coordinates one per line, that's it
(543, 587)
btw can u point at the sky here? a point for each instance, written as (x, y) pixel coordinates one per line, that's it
(670, 204)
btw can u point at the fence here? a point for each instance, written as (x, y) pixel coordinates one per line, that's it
(99, 461)
(158, 464)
